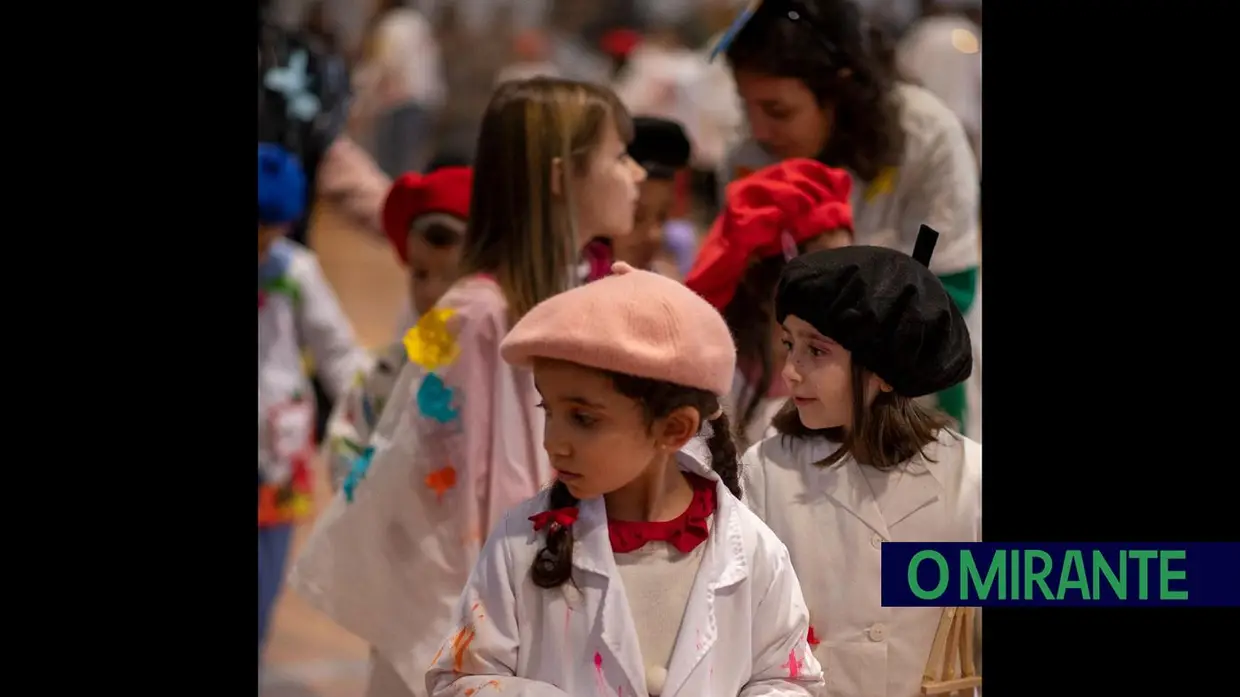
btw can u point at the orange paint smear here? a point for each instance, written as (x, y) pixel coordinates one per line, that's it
(441, 480)
(476, 690)
(460, 644)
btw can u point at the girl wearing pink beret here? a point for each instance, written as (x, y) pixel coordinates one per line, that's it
(457, 443)
(638, 572)
(770, 217)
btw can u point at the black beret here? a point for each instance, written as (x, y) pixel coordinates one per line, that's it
(887, 309)
(659, 145)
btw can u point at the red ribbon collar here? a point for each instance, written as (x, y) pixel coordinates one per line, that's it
(685, 532)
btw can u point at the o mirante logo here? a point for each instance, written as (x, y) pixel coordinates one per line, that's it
(1090, 574)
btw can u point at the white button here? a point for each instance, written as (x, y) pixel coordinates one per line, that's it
(877, 632)
(877, 541)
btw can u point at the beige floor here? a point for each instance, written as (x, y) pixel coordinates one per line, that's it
(307, 655)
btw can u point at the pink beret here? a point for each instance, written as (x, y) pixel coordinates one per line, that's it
(637, 323)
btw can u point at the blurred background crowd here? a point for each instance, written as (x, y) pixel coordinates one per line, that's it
(411, 81)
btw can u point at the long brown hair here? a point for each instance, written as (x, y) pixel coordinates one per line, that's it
(890, 431)
(844, 64)
(519, 231)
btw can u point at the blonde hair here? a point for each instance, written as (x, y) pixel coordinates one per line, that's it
(518, 230)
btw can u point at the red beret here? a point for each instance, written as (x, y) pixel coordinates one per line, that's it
(804, 198)
(619, 43)
(446, 190)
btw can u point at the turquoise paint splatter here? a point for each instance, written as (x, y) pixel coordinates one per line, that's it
(435, 400)
(357, 473)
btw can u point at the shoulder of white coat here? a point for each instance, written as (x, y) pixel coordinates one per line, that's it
(764, 551)
(957, 464)
(777, 451)
(516, 531)
(927, 120)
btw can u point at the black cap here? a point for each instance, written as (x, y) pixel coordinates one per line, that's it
(660, 146)
(887, 309)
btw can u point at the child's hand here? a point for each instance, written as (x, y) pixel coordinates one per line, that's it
(621, 267)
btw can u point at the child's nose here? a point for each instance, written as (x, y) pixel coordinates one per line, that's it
(789, 372)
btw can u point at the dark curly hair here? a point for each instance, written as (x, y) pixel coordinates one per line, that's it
(553, 565)
(844, 62)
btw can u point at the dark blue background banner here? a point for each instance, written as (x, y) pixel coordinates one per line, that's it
(1066, 574)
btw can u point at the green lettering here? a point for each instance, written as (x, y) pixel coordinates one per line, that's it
(915, 586)
(1143, 575)
(1038, 577)
(1073, 562)
(1166, 575)
(1015, 566)
(969, 577)
(1102, 568)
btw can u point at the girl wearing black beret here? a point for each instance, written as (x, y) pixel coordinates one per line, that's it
(815, 82)
(857, 460)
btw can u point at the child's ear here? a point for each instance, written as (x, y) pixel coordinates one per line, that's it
(679, 428)
(557, 176)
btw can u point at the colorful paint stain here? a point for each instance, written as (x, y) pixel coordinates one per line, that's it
(793, 665)
(429, 343)
(884, 183)
(598, 674)
(441, 480)
(460, 644)
(475, 690)
(434, 399)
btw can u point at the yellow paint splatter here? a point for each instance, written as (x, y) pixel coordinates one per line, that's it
(884, 183)
(429, 343)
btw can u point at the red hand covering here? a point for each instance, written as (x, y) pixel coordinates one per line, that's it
(685, 532)
(804, 198)
(446, 190)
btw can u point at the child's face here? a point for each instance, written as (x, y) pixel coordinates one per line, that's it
(818, 373)
(606, 193)
(597, 439)
(654, 207)
(267, 235)
(432, 270)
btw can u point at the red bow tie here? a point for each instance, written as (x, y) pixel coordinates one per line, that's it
(557, 518)
(684, 533)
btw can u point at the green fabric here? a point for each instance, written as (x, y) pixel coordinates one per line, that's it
(962, 287)
(954, 402)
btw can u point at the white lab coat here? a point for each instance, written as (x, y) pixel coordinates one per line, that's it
(830, 520)
(744, 629)
(389, 566)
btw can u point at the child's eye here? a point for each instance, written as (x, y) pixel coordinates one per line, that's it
(584, 420)
(817, 352)
(787, 344)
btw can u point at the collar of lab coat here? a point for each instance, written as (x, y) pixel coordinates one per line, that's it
(724, 562)
(846, 483)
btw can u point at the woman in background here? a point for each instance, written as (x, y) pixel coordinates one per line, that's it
(816, 82)
(401, 84)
